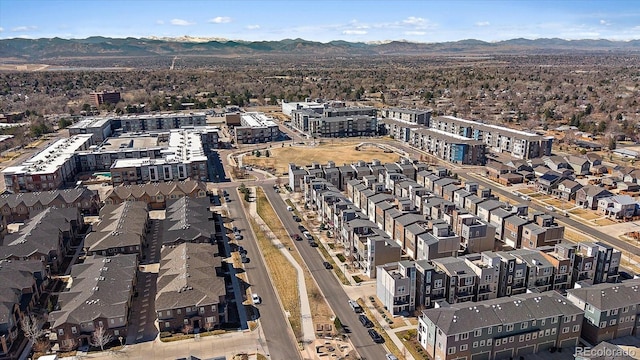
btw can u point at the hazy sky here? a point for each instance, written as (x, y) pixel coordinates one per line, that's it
(323, 20)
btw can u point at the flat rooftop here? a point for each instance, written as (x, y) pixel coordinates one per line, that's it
(141, 142)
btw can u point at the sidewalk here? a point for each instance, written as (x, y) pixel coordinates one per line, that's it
(305, 309)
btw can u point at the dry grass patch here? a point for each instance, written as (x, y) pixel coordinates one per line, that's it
(284, 278)
(302, 155)
(575, 236)
(526, 191)
(320, 310)
(605, 222)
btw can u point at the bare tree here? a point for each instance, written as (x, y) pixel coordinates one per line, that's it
(208, 326)
(100, 337)
(187, 329)
(31, 328)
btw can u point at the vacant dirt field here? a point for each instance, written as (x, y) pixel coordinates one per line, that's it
(604, 222)
(585, 214)
(304, 155)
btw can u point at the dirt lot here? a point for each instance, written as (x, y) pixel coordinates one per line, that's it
(604, 222)
(304, 155)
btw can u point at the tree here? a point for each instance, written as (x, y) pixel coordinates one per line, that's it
(267, 153)
(100, 337)
(187, 329)
(31, 328)
(208, 326)
(63, 123)
(338, 325)
(247, 195)
(258, 153)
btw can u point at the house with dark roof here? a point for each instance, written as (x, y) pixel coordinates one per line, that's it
(191, 288)
(567, 189)
(548, 182)
(121, 229)
(500, 328)
(100, 295)
(21, 206)
(187, 220)
(610, 310)
(156, 194)
(47, 236)
(589, 195)
(21, 286)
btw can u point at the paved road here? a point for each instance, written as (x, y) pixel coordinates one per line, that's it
(329, 285)
(281, 343)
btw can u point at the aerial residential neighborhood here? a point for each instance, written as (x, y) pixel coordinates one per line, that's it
(266, 180)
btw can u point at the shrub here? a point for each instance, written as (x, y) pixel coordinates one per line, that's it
(341, 258)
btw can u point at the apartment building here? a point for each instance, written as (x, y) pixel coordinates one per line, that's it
(415, 116)
(185, 157)
(158, 121)
(99, 127)
(502, 328)
(48, 169)
(336, 122)
(256, 128)
(100, 296)
(104, 97)
(610, 310)
(499, 139)
(449, 147)
(605, 260)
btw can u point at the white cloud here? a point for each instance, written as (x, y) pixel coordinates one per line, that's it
(181, 22)
(23, 28)
(220, 20)
(160, 22)
(354, 32)
(483, 23)
(604, 22)
(1, 29)
(412, 20)
(415, 33)
(253, 27)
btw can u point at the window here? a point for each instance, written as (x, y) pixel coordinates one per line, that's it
(482, 343)
(553, 331)
(213, 308)
(542, 322)
(464, 347)
(112, 321)
(167, 324)
(451, 350)
(521, 338)
(116, 332)
(489, 341)
(186, 321)
(524, 325)
(489, 330)
(554, 320)
(625, 309)
(188, 310)
(497, 342)
(499, 328)
(74, 330)
(576, 328)
(510, 327)
(565, 330)
(612, 322)
(475, 344)
(528, 337)
(534, 335)
(100, 324)
(603, 324)
(478, 333)
(179, 311)
(202, 310)
(60, 332)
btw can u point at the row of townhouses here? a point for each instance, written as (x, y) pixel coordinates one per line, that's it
(505, 328)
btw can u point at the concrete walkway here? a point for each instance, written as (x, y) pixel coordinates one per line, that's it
(305, 309)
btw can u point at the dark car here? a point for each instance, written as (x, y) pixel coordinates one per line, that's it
(375, 336)
(302, 228)
(297, 218)
(313, 244)
(296, 237)
(364, 320)
(327, 265)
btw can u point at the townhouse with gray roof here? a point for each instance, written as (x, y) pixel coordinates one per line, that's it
(606, 260)
(22, 284)
(461, 279)
(99, 296)
(540, 271)
(513, 227)
(187, 220)
(47, 236)
(497, 220)
(487, 270)
(121, 229)
(501, 328)
(589, 195)
(610, 310)
(21, 206)
(476, 235)
(191, 288)
(513, 274)
(438, 243)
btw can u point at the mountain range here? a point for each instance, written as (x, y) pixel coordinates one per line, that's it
(33, 50)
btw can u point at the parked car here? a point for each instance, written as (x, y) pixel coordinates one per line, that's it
(375, 336)
(313, 244)
(549, 207)
(327, 265)
(364, 320)
(308, 235)
(391, 357)
(302, 228)
(289, 208)
(238, 237)
(296, 218)
(256, 299)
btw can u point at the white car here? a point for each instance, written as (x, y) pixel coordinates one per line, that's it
(391, 357)
(256, 299)
(550, 208)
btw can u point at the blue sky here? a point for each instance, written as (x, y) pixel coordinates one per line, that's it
(323, 20)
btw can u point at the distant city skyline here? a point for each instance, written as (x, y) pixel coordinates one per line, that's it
(355, 20)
